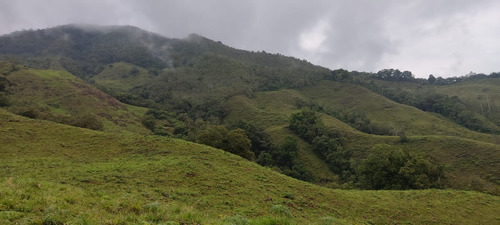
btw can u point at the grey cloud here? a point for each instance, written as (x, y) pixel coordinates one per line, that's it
(427, 36)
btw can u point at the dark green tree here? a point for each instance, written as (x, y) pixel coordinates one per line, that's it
(240, 144)
(431, 79)
(287, 153)
(388, 167)
(215, 136)
(234, 141)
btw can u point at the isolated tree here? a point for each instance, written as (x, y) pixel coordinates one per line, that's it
(240, 144)
(431, 79)
(287, 153)
(261, 141)
(215, 136)
(4, 100)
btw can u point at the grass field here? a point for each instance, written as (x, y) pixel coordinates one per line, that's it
(78, 176)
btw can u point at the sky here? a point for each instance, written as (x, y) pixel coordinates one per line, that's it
(440, 37)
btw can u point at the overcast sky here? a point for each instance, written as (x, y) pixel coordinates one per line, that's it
(440, 37)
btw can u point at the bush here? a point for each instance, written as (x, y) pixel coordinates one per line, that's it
(4, 100)
(88, 121)
(30, 113)
(149, 122)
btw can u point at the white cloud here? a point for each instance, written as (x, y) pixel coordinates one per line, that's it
(311, 40)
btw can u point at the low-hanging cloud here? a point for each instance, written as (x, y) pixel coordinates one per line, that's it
(440, 37)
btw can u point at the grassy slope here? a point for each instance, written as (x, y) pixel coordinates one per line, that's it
(470, 164)
(119, 77)
(477, 93)
(381, 110)
(271, 110)
(74, 175)
(62, 93)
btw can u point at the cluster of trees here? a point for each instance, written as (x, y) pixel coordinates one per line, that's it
(356, 119)
(252, 143)
(325, 142)
(235, 141)
(385, 167)
(388, 167)
(452, 80)
(393, 75)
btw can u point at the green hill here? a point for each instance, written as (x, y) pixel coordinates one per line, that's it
(469, 163)
(60, 96)
(468, 101)
(480, 95)
(384, 112)
(74, 175)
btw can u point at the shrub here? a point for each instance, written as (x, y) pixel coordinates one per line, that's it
(4, 100)
(149, 122)
(88, 121)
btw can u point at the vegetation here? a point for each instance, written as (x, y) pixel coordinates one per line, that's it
(417, 93)
(387, 167)
(339, 129)
(91, 177)
(61, 97)
(469, 160)
(307, 125)
(234, 141)
(186, 86)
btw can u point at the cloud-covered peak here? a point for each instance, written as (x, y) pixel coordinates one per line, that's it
(442, 37)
